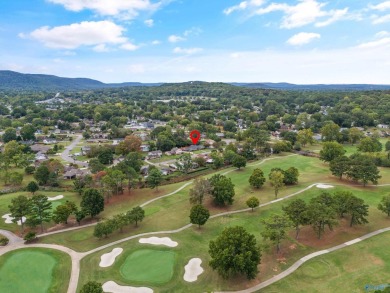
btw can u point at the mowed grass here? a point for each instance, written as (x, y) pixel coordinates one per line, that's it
(193, 242)
(5, 201)
(349, 269)
(34, 271)
(149, 266)
(173, 212)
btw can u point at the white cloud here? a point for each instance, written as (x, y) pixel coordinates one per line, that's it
(192, 31)
(302, 38)
(187, 51)
(381, 19)
(381, 6)
(149, 22)
(129, 47)
(124, 8)
(175, 39)
(156, 42)
(101, 48)
(243, 5)
(303, 13)
(86, 33)
(382, 34)
(383, 42)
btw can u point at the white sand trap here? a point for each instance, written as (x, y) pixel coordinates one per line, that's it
(55, 197)
(8, 219)
(159, 241)
(107, 259)
(193, 270)
(324, 186)
(112, 287)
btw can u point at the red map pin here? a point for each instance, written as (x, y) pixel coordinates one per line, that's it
(195, 136)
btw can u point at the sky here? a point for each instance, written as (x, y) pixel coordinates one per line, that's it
(297, 41)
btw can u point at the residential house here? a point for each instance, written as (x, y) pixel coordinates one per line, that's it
(49, 141)
(155, 154)
(145, 148)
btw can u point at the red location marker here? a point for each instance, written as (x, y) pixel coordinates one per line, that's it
(195, 136)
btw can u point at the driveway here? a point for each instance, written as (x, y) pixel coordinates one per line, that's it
(65, 154)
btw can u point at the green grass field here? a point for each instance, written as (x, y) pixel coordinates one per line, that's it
(347, 270)
(149, 266)
(34, 271)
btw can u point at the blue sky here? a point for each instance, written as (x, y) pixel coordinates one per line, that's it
(305, 41)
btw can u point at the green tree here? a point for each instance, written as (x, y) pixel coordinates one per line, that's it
(341, 199)
(275, 229)
(41, 174)
(305, 136)
(339, 166)
(136, 215)
(363, 169)
(20, 207)
(358, 211)
(121, 220)
(296, 211)
(92, 287)
(239, 162)
(330, 132)
(291, 176)
(9, 135)
(106, 156)
(276, 178)
(32, 187)
(131, 143)
(201, 188)
(369, 144)
(235, 251)
(92, 202)
(27, 132)
(61, 214)
(253, 202)
(331, 150)
(154, 178)
(96, 166)
(384, 205)
(15, 178)
(354, 135)
(103, 229)
(217, 160)
(222, 189)
(40, 210)
(199, 215)
(321, 214)
(257, 178)
(184, 163)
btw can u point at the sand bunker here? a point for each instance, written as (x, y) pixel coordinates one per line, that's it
(193, 270)
(159, 241)
(55, 197)
(324, 186)
(8, 219)
(112, 287)
(107, 259)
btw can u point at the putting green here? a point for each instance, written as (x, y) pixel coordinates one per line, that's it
(150, 266)
(32, 270)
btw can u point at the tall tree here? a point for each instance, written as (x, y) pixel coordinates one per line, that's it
(363, 169)
(341, 199)
(222, 189)
(305, 136)
(42, 174)
(358, 211)
(9, 135)
(92, 202)
(40, 210)
(291, 176)
(369, 144)
(199, 215)
(201, 188)
(355, 135)
(321, 214)
(330, 132)
(339, 166)
(276, 178)
(257, 178)
(275, 229)
(154, 178)
(235, 251)
(131, 143)
(252, 202)
(331, 150)
(136, 215)
(32, 187)
(384, 205)
(296, 211)
(239, 161)
(20, 208)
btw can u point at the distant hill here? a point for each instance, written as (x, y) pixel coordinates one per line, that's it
(10, 80)
(314, 87)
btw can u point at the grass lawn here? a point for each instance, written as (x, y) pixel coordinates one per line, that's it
(7, 198)
(347, 270)
(149, 266)
(34, 271)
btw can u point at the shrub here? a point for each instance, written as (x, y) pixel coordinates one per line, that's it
(30, 237)
(3, 241)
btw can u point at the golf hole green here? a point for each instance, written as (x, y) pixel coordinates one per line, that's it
(27, 271)
(149, 266)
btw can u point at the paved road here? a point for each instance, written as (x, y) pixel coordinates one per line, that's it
(13, 239)
(65, 154)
